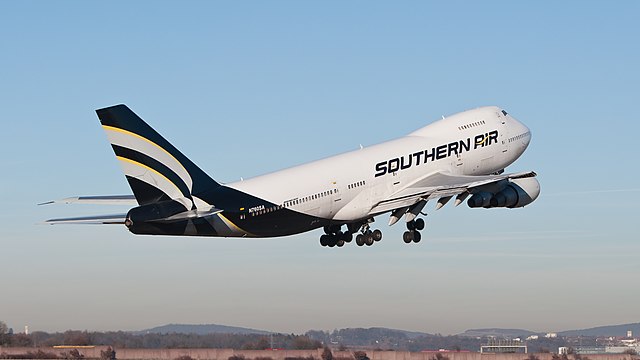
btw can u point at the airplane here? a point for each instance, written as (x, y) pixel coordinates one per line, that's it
(463, 156)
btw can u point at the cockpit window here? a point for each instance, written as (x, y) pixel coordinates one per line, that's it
(504, 112)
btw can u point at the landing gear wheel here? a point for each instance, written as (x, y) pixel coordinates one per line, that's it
(335, 237)
(407, 237)
(360, 239)
(368, 239)
(419, 224)
(377, 235)
(411, 225)
(417, 237)
(324, 240)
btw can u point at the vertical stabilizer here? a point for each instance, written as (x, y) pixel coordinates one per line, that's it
(155, 169)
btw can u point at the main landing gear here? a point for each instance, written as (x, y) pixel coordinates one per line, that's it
(335, 237)
(368, 237)
(413, 233)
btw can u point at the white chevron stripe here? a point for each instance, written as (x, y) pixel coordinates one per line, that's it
(142, 145)
(199, 203)
(155, 179)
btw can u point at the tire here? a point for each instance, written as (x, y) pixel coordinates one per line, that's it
(377, 235)
(417, 237)
(347, 237)
(340, 243)
(407, 237)
(327, 229)
(419, 224)
(360, 239)
(368, 239)
(324, 240)
(411, 225)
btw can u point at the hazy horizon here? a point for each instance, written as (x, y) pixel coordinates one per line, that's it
(326, 330)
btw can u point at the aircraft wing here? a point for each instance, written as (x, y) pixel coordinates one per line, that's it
(438, 185)
(96, 200)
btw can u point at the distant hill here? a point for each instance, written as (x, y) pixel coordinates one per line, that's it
(610, 330)
(201, 329)
(367, 337)
(373, 332)
(499, 333)
(363, 336)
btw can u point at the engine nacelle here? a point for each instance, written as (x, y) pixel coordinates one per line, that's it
(518, 193)
(480, 199)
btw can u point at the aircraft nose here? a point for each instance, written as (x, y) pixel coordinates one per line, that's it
(521, 131)
(525, 130)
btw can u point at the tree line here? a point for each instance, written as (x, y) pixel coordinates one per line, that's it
(374, 339)
(389, 339)
(122, 339)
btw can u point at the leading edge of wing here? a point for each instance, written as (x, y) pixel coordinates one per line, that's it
(438, 185)
(442, 181)
(96, 200)
(90, 220)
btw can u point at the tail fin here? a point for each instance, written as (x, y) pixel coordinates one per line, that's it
(155, 169)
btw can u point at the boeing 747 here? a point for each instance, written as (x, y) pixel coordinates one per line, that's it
(462, 156)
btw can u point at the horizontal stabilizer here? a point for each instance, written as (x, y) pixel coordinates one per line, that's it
(96, 200)
(121, 218)
(90, 220)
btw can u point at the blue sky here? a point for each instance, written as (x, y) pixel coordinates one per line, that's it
(245, 88)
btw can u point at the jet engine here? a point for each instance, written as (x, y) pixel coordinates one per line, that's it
(480, 199)
(516, 193)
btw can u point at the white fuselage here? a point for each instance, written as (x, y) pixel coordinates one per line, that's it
(346, 187)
